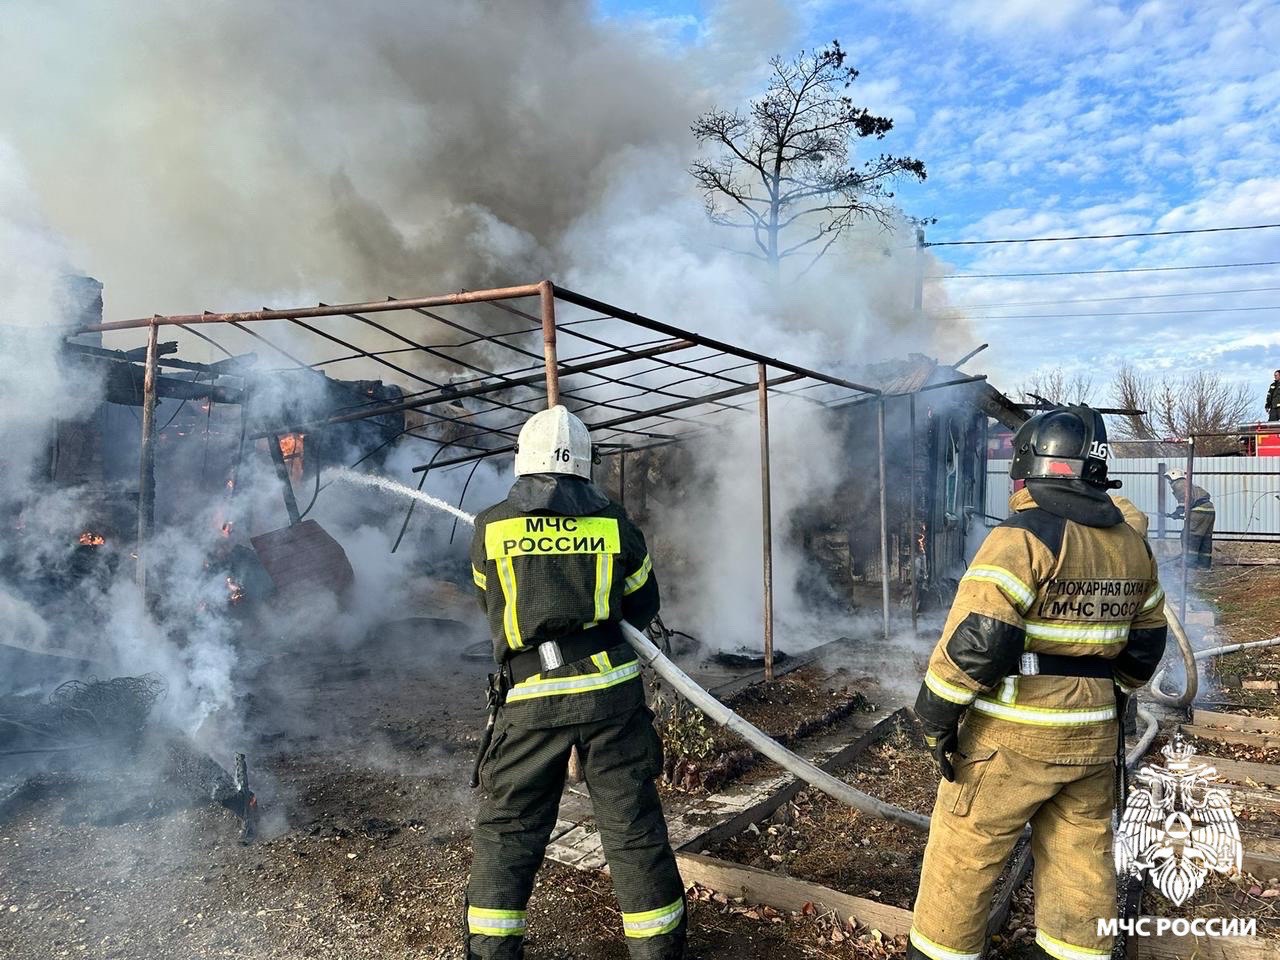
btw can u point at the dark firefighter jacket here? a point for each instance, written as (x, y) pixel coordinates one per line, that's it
(1199, 495)
(558, 560)
(1273, 395)
(1043, 583)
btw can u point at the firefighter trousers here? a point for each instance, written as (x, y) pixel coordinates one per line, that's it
(1199, 534)
(976, 823)
(523, 777)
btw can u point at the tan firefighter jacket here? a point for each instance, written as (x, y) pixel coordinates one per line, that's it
(1044, 584)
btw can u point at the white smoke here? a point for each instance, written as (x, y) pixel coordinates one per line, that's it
(280, 152)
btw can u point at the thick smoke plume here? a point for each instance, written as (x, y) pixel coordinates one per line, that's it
(241, 154)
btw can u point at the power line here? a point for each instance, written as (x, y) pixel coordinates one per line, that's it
(1103, 236)
(1081, 273)
(1086, 316)
(1139, 296)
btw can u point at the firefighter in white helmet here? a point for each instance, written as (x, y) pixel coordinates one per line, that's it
(1197, 530)
(558, 566)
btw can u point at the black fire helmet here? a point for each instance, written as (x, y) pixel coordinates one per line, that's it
(1065, 444)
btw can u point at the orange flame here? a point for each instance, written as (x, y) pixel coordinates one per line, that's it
(235, 592)
(90, 539)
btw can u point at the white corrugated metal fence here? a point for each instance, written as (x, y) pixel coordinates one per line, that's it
(1245, 492)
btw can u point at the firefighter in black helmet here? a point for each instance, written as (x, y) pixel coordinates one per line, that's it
(1060, 610)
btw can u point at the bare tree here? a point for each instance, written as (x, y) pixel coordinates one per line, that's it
(783, 170)
(1055, 385)
(1200, 402)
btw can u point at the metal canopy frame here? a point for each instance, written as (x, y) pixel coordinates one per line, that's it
(637, 382)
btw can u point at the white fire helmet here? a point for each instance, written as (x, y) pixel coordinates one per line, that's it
(554, 441)
(1175, 474)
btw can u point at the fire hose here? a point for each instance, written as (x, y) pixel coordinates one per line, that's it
(758, 740)
(654, 658)
(1189, 657)
(1192, 656)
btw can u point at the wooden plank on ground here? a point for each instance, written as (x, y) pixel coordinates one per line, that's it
(1264, 866)
(1235, 721)
(1240, 771)
(1190, 947)
(1268, 741)
(788, 893)
(770, 804)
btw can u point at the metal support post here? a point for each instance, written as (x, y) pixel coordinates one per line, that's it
(547, 296)
(911, 520)
(1162, 506)
(766, 512)
(884, 517)
(1186, 518)
(147, 457)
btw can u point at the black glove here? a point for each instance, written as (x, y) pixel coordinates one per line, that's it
(1177, 514)
(942, 743)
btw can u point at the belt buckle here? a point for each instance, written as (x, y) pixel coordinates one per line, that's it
(1029, 665)
(549, 655)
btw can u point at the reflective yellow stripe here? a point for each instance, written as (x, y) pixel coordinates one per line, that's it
(495, 923)
(639, 578)
(536, 687)
(948, 691)
(1067, 951)
(1154, 600)
(542, 536)
(481, 580)
(1018, 592)
(937, 951)
(1101, 633)
(1044, 716)
(653, 923)
(604, 585)
(510, 619)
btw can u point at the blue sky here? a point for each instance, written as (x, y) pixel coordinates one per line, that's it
(1069, 117)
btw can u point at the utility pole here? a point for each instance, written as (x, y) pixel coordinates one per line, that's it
(919, 291)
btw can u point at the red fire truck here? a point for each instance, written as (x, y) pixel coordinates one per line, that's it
(1260, 440)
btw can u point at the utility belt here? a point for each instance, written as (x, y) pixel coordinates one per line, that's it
(1202, 502)
(1056, 665)
(550, 654)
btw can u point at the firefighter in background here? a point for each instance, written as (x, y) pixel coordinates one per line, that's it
(1058, 616)
(1273, 397)
(1197, 529)
(558, 565)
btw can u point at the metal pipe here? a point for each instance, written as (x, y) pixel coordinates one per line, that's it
(766, 518)
(1161, 501)
(547, 297)
(619, 421)
(447, 394)
(911, 521)
(1186, 518)
(323, 310)
(599, 306)
(884, 518)
(147, 456)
